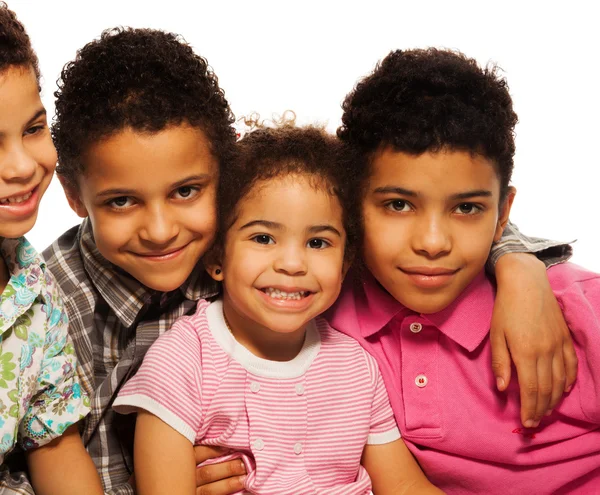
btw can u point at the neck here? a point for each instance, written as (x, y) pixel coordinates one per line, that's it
(261, 341)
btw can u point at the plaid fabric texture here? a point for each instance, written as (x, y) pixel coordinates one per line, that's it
(113, 321)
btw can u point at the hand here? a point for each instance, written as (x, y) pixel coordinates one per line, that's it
(528, 322)
(224, 478)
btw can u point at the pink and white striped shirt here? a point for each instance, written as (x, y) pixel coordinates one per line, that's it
(299, 426)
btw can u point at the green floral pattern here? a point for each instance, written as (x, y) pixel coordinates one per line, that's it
(40, 393)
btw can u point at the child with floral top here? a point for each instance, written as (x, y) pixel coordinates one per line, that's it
(258, 370)
(41, 399)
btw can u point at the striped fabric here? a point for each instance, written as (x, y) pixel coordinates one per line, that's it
(300, 426)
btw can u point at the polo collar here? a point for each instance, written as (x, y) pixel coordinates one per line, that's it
(466, 321)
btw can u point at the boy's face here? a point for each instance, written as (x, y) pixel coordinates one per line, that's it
(151, 202)
(429, 224)
(284, 256)
(27, 155)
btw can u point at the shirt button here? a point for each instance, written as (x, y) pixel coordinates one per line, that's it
(421, 381)
(298, 448)
(255, 387)
(416, 327)
(259, 444)
(299, 389)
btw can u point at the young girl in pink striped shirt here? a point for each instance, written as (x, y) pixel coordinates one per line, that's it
(258, 371)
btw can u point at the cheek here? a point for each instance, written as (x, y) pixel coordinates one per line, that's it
(382, 239)
(111, 232)
(202, 218)
(44, 153)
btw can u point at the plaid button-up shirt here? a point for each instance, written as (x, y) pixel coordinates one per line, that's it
(113, 321)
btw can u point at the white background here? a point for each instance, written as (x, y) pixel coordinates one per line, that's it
(306, 55)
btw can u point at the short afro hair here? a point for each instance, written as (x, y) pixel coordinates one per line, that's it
(142, 79)
(427, 100)
(15, 45)
(267, 153)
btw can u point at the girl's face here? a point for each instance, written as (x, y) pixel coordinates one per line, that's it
(284, 256)
(27, 155)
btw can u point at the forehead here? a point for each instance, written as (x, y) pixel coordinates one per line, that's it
(134, 156)
(447, 170)
(293, 201)
(19, 95)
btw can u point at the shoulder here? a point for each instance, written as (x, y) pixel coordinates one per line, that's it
(63, 259)
(343, 346)
(574, 286)
(187, 332)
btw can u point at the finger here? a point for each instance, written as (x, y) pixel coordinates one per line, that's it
(571, 363)
(544, 378)
(528, 389)
(223, 487)
(558, 380)
(206, 475)
(204, 452)
(500, 360)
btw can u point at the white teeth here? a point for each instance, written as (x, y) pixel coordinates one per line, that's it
(279, 294)
(16, 199)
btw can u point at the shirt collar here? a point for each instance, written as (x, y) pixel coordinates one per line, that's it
(125, 295)
(27, 281)
(466, 321)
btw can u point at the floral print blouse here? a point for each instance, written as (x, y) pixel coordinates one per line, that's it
(40, 393)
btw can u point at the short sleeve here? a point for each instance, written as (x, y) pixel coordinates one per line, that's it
(58, 400)
(513, 241)
(383, 428)
(168, 383)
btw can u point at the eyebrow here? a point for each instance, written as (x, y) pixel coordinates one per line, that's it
(477, 193)
(175, 185)
(40, 112)
(315, 229)
(396, 190)
(472, 194)
(36, 115)
(263, 223)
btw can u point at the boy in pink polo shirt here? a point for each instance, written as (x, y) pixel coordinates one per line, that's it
(435, 196)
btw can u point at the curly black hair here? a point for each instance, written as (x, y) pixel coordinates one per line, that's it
(429, 99)
(144, 79)
(269, 152)
(15, 45)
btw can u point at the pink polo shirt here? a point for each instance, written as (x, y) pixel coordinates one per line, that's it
(466, 435)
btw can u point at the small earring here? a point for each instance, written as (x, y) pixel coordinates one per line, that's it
(218, 271)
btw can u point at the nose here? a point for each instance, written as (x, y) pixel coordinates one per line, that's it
(432, 237)
(290, 260)
(159, 226)
(18, 165)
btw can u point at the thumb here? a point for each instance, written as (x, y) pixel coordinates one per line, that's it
(501, 362)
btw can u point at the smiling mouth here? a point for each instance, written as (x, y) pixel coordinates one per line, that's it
(17, 199)
(162, 254)
(279, 294)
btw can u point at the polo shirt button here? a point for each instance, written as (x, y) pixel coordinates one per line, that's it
(299, 389)
(421, 381)
(416, 327)
(259, 444)
(255, 387)
(298, 448)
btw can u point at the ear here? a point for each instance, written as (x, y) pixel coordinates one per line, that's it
(215, 271)
(212, 264)
(504, 212)
(73, 197)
